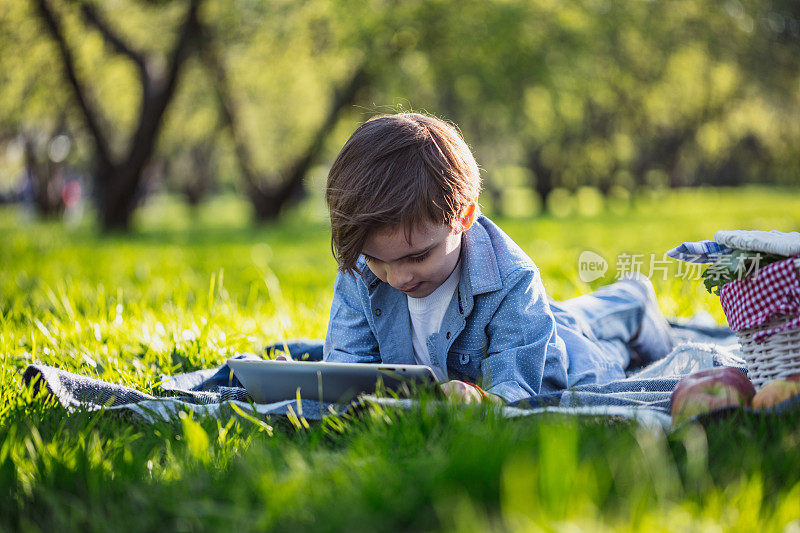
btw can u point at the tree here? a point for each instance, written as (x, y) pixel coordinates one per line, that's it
(34, 120)
(45, 152)
(608, 93)
(341, 50)
(118, 178)
(268, 194)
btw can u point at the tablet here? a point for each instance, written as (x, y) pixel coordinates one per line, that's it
(269, 381)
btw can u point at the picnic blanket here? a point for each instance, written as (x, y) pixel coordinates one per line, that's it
(644, 395)
(699, 252)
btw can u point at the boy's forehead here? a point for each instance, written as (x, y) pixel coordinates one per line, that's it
(395, 242)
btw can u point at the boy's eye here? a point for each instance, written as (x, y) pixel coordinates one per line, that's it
(414, 258)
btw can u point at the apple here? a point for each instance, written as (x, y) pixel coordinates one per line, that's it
(776, 392)
(708, 390)
(793, 377)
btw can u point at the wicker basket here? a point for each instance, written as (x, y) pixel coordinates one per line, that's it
(775, 358)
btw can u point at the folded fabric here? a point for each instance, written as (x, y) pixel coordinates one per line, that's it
(699, 252)
(772, 242)
(772, 292)
(76, 392)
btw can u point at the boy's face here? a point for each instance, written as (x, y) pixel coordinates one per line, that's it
(419, 267)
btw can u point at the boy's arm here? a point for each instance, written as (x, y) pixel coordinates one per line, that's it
(349, 338)
(525, 355)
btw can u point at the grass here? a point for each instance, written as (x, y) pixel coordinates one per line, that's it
(184, 292)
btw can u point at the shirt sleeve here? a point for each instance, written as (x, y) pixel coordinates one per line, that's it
(349, 338)
(526, 357)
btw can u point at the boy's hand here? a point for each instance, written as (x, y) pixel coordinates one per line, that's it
(467, 393)
(283, 357)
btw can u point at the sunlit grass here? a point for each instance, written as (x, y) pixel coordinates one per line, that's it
(184, 293)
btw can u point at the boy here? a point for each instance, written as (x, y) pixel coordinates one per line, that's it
(425, 279)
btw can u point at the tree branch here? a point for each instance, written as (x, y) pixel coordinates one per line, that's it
(343, 98)
(68, 62)
(189, 32)
(93, 18)
(158, 91)
(229, 108)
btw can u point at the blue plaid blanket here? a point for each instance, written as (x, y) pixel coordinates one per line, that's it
(699, 252)
(643, 396)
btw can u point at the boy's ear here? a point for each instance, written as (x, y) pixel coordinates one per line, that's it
(468, 216)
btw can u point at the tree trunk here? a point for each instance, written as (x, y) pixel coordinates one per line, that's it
(117, 196)
(43, 179)
(542, 175)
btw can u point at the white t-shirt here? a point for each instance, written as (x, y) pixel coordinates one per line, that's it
(426, 318)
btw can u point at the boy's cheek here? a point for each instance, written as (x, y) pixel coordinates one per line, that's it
(377, 270)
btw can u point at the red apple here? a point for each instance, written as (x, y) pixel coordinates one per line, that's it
(708, 390)
(775, 392)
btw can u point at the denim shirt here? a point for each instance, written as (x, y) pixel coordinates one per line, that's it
(498, 331)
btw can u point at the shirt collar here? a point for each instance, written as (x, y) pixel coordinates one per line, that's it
(370, 279)
(479, 263)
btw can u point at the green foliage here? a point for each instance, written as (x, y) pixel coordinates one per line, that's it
(736, 265)
(615, 95)
(589, 93)
(185, 293)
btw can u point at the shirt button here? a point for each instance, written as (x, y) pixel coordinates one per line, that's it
(447, 335)
(377, 311)
(464, 359)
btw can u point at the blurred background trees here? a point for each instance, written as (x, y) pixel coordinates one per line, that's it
(595, 99)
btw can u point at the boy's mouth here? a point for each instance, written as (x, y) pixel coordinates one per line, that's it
(412, 288)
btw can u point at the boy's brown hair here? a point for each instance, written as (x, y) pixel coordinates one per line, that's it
(404, 169)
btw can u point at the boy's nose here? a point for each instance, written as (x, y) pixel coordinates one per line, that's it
(398, 277)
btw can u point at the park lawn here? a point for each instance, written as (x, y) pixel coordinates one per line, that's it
(185, 292)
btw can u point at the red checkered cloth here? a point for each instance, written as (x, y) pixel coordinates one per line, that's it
(772, 291)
